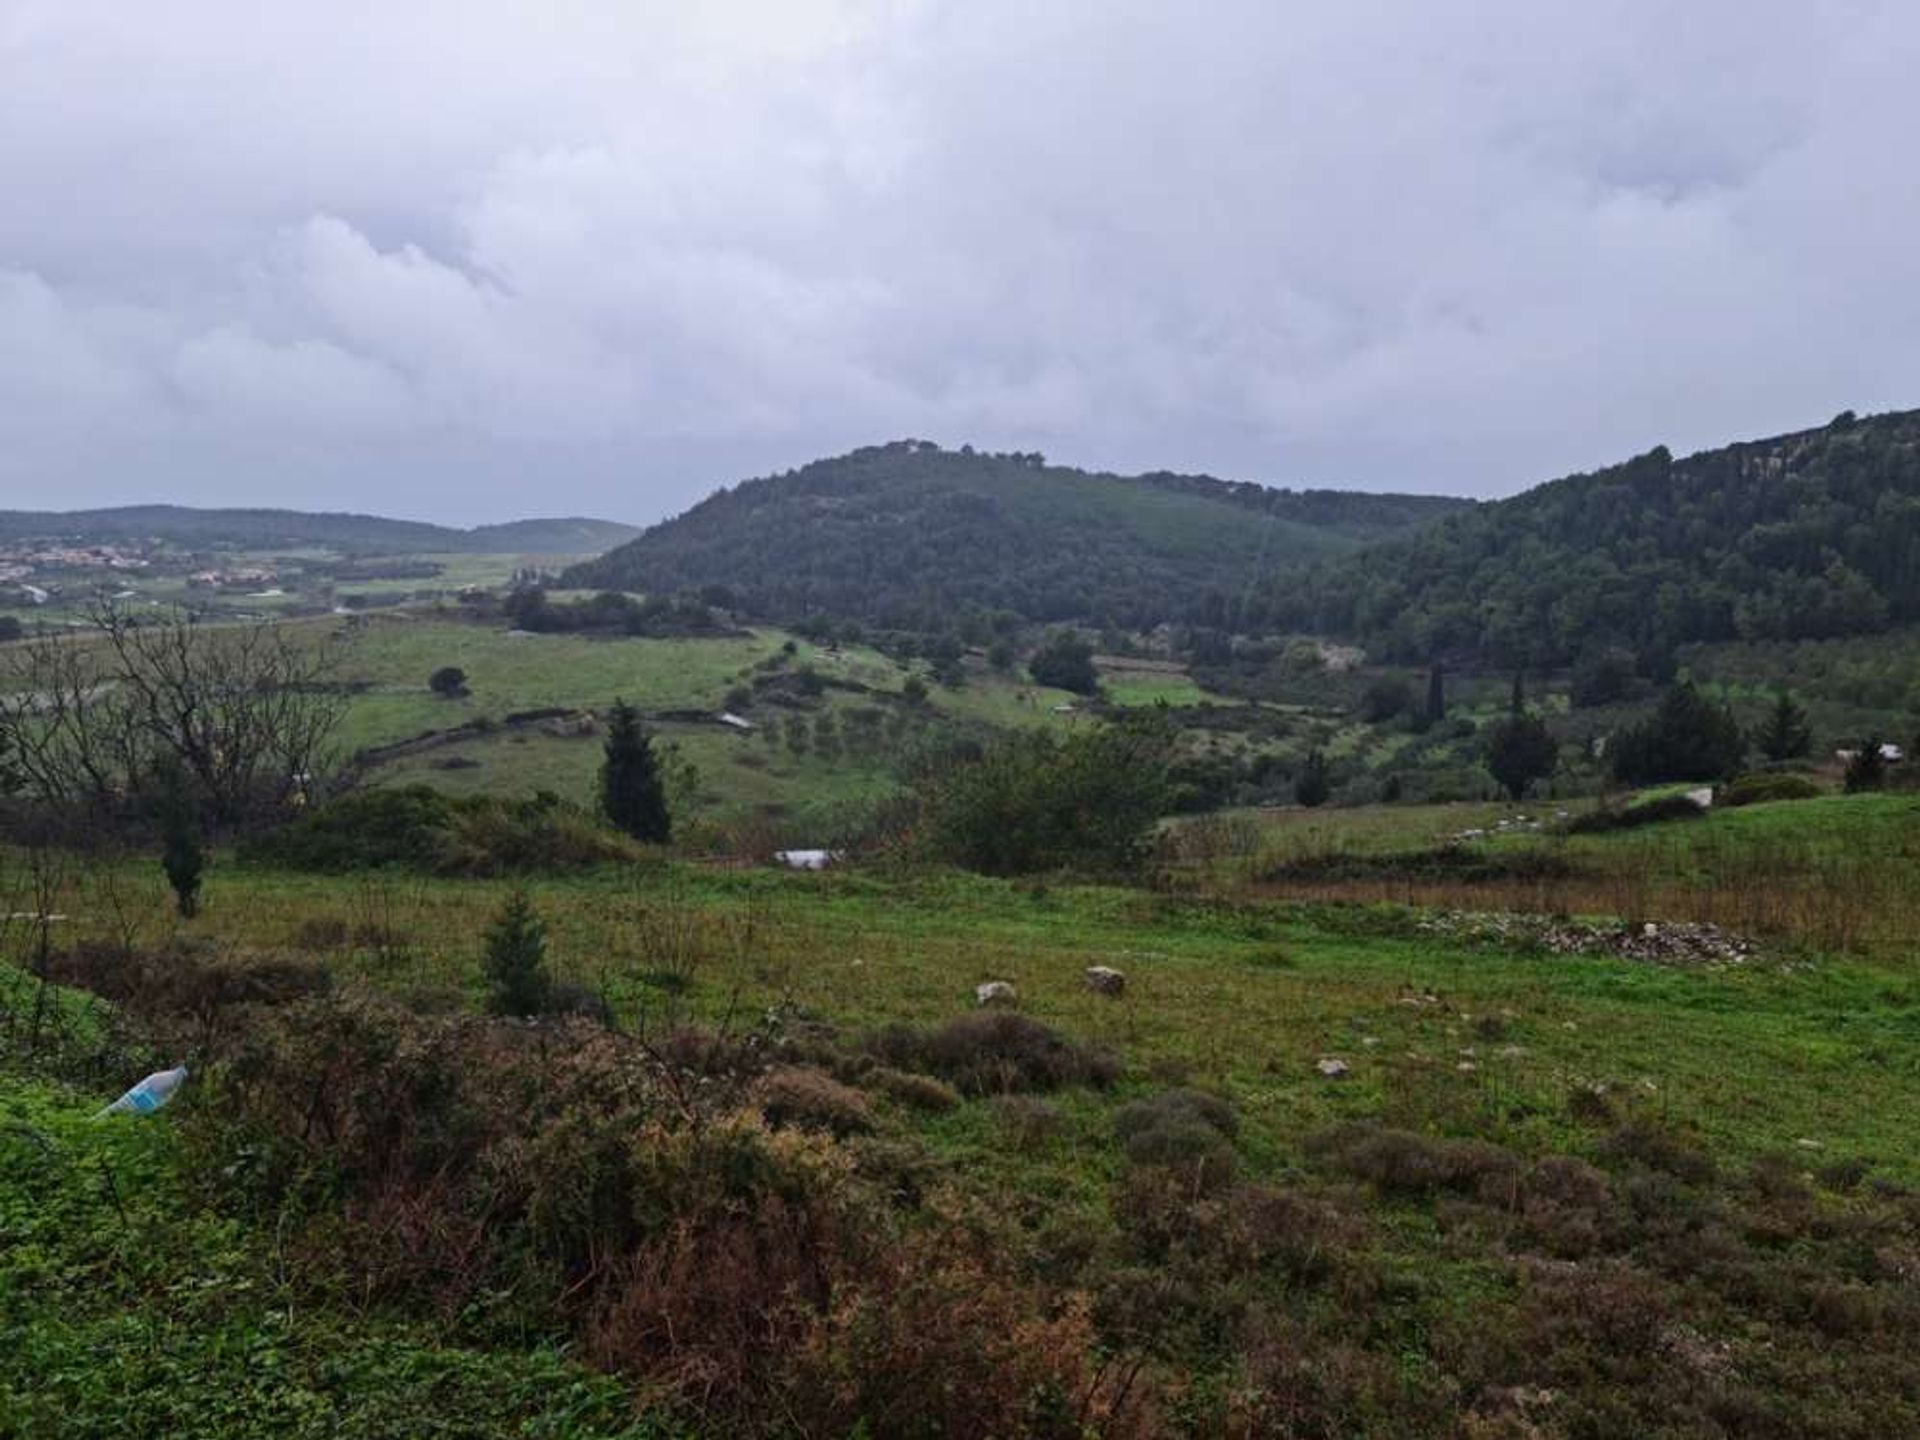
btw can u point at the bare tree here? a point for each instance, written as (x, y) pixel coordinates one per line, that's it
(246, 710)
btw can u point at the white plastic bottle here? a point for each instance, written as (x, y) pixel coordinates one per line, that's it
(149, 1095)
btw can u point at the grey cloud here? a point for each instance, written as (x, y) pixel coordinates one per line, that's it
(472, 262)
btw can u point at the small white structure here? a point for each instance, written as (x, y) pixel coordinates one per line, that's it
(737, 722)
(807, 859)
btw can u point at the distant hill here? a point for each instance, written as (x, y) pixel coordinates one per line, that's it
(1810, 535)
(268, 529)
(906, 534)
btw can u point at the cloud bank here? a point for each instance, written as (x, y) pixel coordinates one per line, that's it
(468, 262)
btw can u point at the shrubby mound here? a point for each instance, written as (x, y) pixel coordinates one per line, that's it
(414, 827)
(994, 1053)
(1605, 821)
(1764, 788)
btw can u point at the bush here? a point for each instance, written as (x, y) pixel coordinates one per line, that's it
(1065, 661)
(1401, 1161)
(994, 1053)
(812, 1100)
(916, 1092)
(417, 828)
(1036, 801)
(1867, 769)
(1765, 788)
(1632, 817)
(449, 682)
(1188, 1131)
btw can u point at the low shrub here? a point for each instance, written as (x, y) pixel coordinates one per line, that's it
(809, 1099)
(916, 1092)
(1028, 1119)
(1764, 788)
(1188, 1131)
(416, 828)
(1402, 1162)
(994, 1053)
(1605, 820)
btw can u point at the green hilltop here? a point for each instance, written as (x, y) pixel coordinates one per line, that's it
(907, 534)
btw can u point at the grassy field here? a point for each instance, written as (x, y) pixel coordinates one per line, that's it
(1243, 996)
(1760, 1104)
(1836, 873)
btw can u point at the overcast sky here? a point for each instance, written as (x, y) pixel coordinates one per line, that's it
(477, 260)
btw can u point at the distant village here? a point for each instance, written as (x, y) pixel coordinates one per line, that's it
(39, 572)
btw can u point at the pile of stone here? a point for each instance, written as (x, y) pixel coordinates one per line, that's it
(1656, 942)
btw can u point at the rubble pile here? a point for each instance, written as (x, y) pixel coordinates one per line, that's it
(1661, 942)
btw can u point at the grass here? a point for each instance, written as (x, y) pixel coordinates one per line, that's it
(1835, 873)
(1248, 997)
(1798, 1062)
(127, 1307)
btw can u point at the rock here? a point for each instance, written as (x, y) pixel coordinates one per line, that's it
(1333, 1069)
(1106, 980)
(994, 992)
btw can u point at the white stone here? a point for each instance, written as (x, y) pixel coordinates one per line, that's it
(1333, 1069)
(1105, 979)
(994, 992)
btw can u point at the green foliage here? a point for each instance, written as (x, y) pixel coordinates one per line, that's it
(515, 962)
(1687, 738)
(1605, 821)
(128, 1307)
(1604, 675)
(1785, 734)
(1038, 801)
(182, 856)
(1314, 784)
(10, 629)
(1065, 661)
(1867, 770)
(449, 682)
(1810, 535)
(1385, 698)
(1763, 789)
(908, 535)
(1521, 750)
(414, 827)
(633, 793)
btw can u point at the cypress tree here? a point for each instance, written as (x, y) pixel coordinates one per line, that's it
(1784, 734)
(633, 793)
(181, 855)
(1436, 695)
(516, 960)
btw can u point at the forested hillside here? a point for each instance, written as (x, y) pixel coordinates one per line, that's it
(1805, 536)
(905, 534)
(265, 529)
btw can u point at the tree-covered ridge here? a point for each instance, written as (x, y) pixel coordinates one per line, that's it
(1803, 536)
(904, 534)
(348, 533)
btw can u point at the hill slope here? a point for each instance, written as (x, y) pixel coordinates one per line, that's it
(905, 534)
(1809, 535)
(264, 529)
